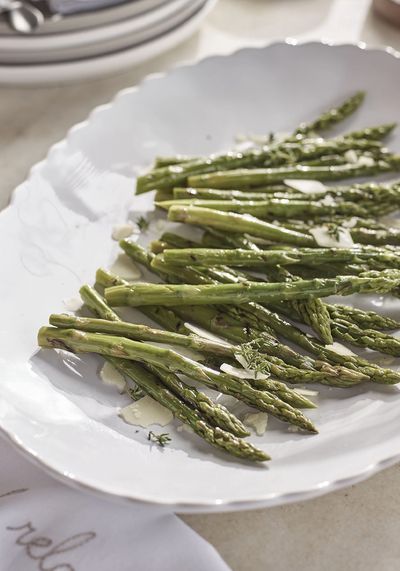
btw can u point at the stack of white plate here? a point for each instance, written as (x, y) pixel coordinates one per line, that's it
(87, 45)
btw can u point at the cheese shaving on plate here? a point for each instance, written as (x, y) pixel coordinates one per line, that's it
(110, 376)
(121, 231)
(325, 239)
(242, 373)
(351, 156)
(306, 186)
(365, 161)
(146, 412)
(256, 420)
(340, 349)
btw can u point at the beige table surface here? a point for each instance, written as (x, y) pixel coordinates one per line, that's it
(353, 529)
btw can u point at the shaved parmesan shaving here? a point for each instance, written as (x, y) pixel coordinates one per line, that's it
(293, 428)
(240, 359)
(146, 412)
(72, 303)
(306, 186)
(325, 239)
(256, 420)
(306, 392)
(328, 201)
(340, 349)
(365, 161)
(350, 223)
(242, 373)
(125, 268)
(351, 156)
(121, 231)
(110, 376)
(200, 332)
(260, 241)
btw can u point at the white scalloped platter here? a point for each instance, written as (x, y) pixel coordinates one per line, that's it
(57, 231)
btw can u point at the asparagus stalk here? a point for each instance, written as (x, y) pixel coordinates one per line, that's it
(273, 208)
(362, 318)
(333, 116)
(166, 178)
(220, 194)
(376, 198)
(237, 223)
(315, 314)
(351, 333)
(122, 348)
(266, 258)
(141, 333)
(138, 295)
(242, 177)
(375, 133)
(330, 376)
(371, 133)
(176, 295)
(376, 237)
(165, 161)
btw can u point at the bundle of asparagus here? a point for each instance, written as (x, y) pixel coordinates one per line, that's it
(272, 248)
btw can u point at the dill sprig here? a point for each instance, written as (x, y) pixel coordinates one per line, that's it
(135, 393)
(160, 439)
(142, 223)
(254, 360)
(334, 230)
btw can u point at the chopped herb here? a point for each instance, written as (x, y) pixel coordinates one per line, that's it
(254, 360)
(142, 223)
(334, 230)
(160, 439)
(136, 393)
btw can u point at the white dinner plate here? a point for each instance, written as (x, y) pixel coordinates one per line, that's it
(99, 41)
(57, 231)
(102, 65)
(85, 20)
(22, 44)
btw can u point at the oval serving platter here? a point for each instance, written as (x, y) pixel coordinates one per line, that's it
(57, 231)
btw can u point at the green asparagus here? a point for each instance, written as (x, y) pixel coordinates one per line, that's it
(122, 348)
(242, 177)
